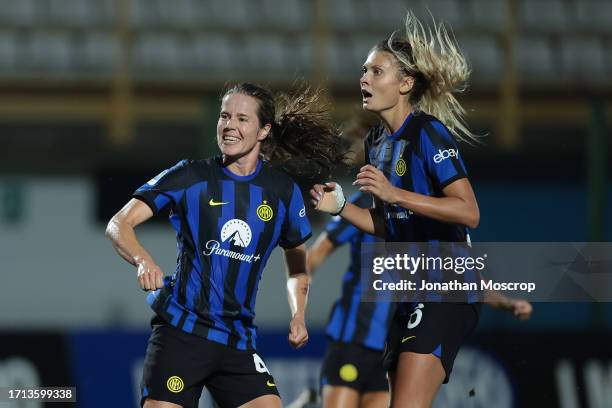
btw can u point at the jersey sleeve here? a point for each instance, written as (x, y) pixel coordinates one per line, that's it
(165, 189)
(441, 154)
(296, 229)
(340, 231)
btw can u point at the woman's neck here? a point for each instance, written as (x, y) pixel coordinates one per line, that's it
(395, 117)
(244, 165)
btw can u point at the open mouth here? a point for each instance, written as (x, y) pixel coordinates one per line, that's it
(228, 139)
(365, 94)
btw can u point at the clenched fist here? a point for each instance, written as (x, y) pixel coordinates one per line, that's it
(150, 276)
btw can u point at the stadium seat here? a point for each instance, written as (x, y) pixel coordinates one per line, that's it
(489, 15)
(157, 53)
(104, 11)
(344, 14)
(17, 12)
(8, 52)
(265, 52)
(178, 13)
(232, 13)
(386, 15)
(342, 62)
(144, 13)
(97, 52)
(595, 15)
(287, 14)
(448, 11)
(535, 58)
(360, 46)
(71, 13)
(300, 54)
(484, 57)
(542, 15)
(213, 53)
(584, 58)
(48, 51)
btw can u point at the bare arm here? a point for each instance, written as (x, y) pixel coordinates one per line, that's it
(458, 206)
(520, 308)
(298, 283)
(318, 252)
(120, 230)
(368, 220)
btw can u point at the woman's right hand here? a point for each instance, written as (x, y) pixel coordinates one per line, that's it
(150, 276)
(328, 198)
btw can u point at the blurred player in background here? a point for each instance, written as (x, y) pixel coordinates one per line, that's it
(352, 375)
(421, 193)
(229, 212)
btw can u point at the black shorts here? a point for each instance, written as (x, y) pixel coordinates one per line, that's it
(354, 366)
(178, 364)
(432, 328)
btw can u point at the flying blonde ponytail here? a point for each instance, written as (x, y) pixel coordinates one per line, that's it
(439, 69)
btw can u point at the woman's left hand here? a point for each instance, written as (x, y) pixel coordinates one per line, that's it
(373, 181)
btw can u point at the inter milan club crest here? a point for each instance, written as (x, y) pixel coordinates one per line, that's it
(264, 212)
(400, 167)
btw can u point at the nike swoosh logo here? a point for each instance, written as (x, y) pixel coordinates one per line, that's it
(212, 203)
(270, 384)
(405, 339)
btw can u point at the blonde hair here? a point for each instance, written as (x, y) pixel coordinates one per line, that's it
(439, 71)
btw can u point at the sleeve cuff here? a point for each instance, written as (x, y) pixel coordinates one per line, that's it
(451, 180)
(147, 201)
(291, 245)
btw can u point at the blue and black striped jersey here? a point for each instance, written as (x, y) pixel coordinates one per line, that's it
(422, 157)
(226, 227)
(351, 320)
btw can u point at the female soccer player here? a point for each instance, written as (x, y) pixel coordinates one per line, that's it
(420, 189)
(352, 374)
(229, 212)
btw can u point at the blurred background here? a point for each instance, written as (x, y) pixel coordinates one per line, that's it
(98, 96)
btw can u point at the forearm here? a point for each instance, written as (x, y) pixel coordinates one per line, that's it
(366, 219)
(316, 254)
(297, 292)
(497, 300)
(452, 210)
(124, 240)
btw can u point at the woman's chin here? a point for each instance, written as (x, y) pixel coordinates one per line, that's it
(367, 107)
(229, 150)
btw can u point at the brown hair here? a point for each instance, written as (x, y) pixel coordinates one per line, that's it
(303, 140)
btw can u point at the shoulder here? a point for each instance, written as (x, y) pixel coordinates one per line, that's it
(185, 173)
(203, 168)
(418, 121)
(427, 130)
(279, 179)
(438, 135)
(175, 171)
(207, 164)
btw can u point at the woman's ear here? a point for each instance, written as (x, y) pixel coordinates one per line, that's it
(406, 84)
(264, 132)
